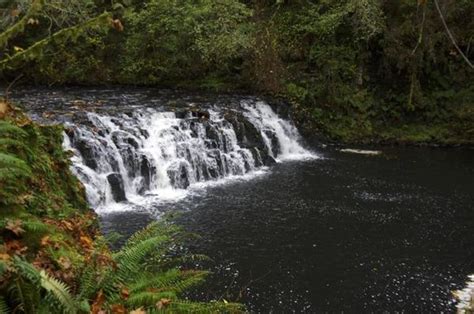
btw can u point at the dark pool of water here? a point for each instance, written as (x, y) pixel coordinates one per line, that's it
(346, 233)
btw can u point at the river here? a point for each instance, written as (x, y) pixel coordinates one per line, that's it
(288, 227)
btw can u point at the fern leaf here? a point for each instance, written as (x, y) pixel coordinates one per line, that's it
(9, 142)
(131, 258)
(149, 298)
(60, 291)
(14, 164)
(27, 270)
(3, 306)
(197, 307)
(11, 130)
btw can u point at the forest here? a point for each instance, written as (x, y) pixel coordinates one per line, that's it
(356, 71)
(348, 72)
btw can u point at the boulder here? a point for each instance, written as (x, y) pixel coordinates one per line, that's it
(117, 187)
(87, 153)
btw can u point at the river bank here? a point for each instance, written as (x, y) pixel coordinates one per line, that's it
(53, 255)
(344, 130)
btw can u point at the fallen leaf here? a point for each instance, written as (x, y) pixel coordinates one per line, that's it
(4, 257)
(45, 241)
(163, 303)
(66, 223)
(64, 262)
(15, 227)
(15, 247)
(98, 302)
(15, 12)
(118, 309)
(86, 241)
(4, 108)
(117, 24)
(138, 311)
(125, 293)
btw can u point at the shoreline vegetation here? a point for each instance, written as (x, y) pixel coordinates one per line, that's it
(354, 71)
(53, 257)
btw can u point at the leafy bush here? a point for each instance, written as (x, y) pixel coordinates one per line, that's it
(139, 276)
(173, 39)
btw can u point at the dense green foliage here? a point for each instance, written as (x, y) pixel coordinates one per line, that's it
(52, 257)
(355, 69)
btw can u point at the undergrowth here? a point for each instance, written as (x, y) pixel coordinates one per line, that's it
(52, 256)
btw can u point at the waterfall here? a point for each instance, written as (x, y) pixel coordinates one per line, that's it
(127, 156)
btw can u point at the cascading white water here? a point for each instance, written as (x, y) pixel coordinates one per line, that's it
(269, 123)
(127, 157)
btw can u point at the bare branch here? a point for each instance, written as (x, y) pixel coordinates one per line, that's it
(451, 35)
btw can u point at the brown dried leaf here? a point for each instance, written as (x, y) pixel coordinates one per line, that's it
(15, 12)
(163, 303)
(15, 247)
(117, 24)
(4, 257)
(98, 302)
(67, 225)
(45, 241)
(4, 108)
(124, 293)
(138, 311)
(118, 309)
(86, 241)
(65, 262)
(15, 227)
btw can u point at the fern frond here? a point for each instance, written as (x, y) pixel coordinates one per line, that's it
(26, 270)
(154, 229)
(88, 282)
(60, 291)
(11, 130)
(198, 307)
(3, 306)
(146, 281)
(9, 142)
(148, 298)
(131, 258)
(11, 165)
(189, 279)
(35, 226)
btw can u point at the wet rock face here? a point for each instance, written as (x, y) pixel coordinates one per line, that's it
(154, 147)
(117, 187)
(250, 137)
(274, 142)
(87, 153)
(146, 170)
(179, 176)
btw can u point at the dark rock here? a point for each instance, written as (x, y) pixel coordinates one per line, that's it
(117, 187)
(69, 132)
(131, 141)
(179, 176)
(181, 113)
(146, 172)
(257, 156)
(87, 153)
(248, 135)
(144, 133)
(268, 160)
(274, 142)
